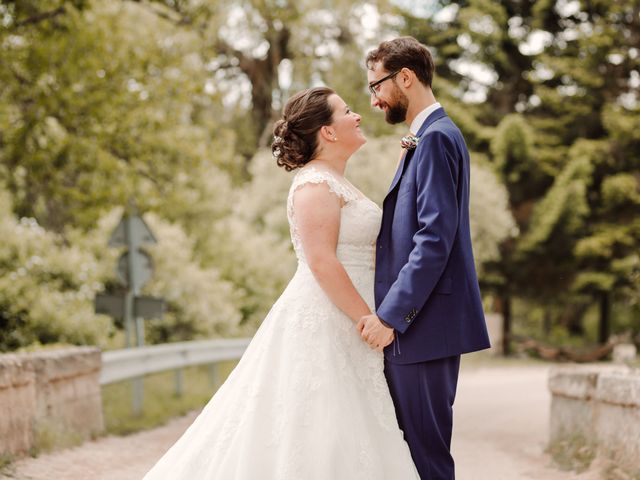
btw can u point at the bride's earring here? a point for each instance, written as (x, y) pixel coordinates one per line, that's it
(335, 139)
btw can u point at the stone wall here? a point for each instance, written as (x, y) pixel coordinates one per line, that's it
(17, 404)
(49, 397)
(598, 407)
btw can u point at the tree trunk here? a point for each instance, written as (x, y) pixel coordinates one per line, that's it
(263, 75)
(604, 329)
(505, 300)
(572, 318)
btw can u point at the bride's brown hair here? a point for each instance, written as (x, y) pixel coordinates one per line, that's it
(295, 134)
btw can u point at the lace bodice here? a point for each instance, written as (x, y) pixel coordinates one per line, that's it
(359, 221)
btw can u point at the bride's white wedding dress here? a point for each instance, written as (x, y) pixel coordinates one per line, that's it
(308, 400)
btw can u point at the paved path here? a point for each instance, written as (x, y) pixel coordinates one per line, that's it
(501, 427)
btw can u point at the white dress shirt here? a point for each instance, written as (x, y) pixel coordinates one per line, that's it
(422, 117)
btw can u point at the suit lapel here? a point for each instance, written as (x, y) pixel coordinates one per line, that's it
(436, 115)
(405, 160)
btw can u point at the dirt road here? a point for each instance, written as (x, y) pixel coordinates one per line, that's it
(501, 428)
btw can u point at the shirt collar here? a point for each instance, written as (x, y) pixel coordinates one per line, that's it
(422, 117)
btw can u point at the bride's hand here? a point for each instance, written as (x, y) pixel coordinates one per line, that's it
(374, 332)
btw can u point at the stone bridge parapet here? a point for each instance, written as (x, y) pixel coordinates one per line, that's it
(50, 397)
(597, 408)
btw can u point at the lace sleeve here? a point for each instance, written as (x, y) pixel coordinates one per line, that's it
(314, 175)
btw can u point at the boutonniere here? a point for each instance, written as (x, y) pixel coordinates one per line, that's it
(409, 142)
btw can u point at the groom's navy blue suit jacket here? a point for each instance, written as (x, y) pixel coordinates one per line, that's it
(426, 283)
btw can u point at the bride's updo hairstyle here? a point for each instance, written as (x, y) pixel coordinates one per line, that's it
(295, 140)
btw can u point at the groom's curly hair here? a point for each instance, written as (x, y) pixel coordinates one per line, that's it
(404, 52)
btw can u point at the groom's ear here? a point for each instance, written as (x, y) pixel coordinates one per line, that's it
(406, 77)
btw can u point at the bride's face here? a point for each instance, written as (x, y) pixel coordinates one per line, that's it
(346, 124)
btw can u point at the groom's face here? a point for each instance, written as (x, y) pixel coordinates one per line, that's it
(387, 97)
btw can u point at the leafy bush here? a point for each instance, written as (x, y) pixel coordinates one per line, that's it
(46, 286)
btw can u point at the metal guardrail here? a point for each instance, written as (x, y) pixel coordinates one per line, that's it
(132, 363)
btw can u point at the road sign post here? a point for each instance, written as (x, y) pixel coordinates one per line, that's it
(135, 269)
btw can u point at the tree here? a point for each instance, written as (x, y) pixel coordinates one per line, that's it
(590, 91)
(83, 132)
(267, 49)
(570, 71)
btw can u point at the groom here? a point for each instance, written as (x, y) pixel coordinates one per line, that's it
(428, 307)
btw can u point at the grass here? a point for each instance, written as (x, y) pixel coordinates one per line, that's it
(160, 402)
(574, 453)
(52, 435)
(613, 472)
(6, 459)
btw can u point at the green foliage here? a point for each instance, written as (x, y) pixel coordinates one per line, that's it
(620, 190)
(6, 460)
(606, 240)
(83, 132)
(50, 434)
(513, 153)
(492, 222)
(20, 13)
(46, 286)
(563, 209)
(594, 282)
(250, 246)
(106, 102)
(623, 126)
(562, 124)
(477, 135)
(511, 147)
(200, 302)
(372, 167)
(273, 48)
(164, 102)
(573, 453)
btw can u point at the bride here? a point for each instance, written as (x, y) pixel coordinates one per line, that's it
(308, 400)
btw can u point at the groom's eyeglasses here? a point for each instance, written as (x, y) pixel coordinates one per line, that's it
(374, 86)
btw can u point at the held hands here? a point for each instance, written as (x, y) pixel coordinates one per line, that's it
(374, 332)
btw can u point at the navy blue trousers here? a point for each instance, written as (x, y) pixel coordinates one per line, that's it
(423, 395)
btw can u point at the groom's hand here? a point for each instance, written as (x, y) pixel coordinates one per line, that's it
(374, 332)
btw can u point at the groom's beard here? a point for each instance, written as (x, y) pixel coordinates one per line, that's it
(397, 111)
